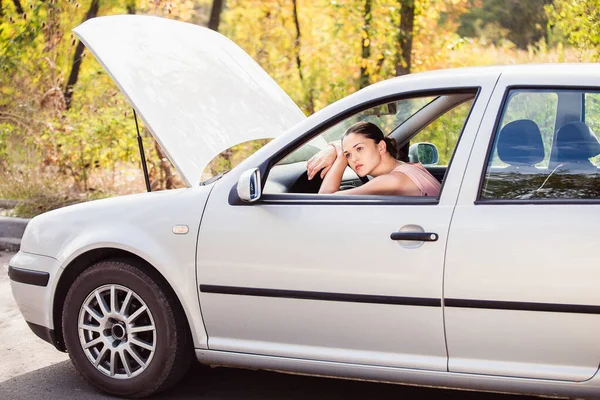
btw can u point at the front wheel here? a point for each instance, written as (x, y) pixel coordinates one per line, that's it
(123, 332)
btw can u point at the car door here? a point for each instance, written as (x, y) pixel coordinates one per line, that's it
(520, 288)
(318, 276)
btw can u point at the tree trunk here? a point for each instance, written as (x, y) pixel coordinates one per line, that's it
(18, 6)
(297, 43)
(165, 167)
(215, 15)
(130, 6)
(1, 9)
(76, 64)
(403, 52)
(309, 92)
(366, 46)
(405, 37)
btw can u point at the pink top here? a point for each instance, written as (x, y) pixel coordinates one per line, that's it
(427, 184)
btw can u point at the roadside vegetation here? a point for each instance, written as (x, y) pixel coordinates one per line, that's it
(67, 134)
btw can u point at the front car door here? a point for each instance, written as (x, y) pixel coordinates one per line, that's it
(318, 276)
(521, 293)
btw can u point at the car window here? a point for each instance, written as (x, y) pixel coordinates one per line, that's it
(433, 144)
(445, 131)
(386, 116)
(534, 157)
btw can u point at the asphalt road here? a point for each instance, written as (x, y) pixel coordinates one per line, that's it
(32, 369)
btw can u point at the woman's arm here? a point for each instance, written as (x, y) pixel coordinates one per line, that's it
(395, 184)
(333, 179)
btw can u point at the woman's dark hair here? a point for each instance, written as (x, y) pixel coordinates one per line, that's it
(372, 131)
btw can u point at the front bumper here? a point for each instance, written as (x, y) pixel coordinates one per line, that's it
(33, 280)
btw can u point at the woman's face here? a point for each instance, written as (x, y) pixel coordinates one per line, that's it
(362, 153)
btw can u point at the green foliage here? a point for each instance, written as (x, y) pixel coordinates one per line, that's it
(36, 193)
(332, 33)
(522, 22)
(87, 144)
(578, 21)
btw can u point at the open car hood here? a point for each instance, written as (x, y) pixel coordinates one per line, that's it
(197, 92)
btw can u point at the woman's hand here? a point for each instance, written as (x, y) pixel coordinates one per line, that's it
(322, 161)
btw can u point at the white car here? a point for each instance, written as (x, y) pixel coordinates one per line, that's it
(492, 285)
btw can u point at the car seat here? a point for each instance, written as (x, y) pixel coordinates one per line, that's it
(520, 146)
(575, 145)
(573, 175)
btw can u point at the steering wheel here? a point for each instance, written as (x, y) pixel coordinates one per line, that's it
(303, 185)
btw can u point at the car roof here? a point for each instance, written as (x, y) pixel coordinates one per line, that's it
(464, 74)
(558, 68)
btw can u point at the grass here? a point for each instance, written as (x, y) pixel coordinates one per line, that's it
(37, 193)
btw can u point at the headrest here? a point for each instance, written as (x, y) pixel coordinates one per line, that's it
(520, 143)
(576, 142)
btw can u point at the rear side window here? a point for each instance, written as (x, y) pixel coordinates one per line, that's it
(545, 147)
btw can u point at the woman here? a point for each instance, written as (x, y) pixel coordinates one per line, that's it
(368, 152)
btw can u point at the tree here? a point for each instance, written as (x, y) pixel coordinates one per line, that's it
(521, 22)
(577, 21)
(405, 37)
(130, 6)
(365, 45)
(297, 44)
(18, 6)
(215, 15)
(76, 64)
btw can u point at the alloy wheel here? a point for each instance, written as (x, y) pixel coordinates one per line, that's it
(117, 331)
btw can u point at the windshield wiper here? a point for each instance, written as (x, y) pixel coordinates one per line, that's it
(214, 178)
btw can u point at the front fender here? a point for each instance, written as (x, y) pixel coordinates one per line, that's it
(173, 257)
(142, 225)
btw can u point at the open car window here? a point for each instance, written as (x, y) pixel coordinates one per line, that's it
(428, 126)
(387, 117)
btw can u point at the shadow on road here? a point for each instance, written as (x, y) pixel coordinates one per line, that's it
(61, 382)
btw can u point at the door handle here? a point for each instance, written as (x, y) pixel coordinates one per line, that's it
(416, 236)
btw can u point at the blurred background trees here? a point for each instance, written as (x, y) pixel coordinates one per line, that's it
(67, 134)
(521, 22)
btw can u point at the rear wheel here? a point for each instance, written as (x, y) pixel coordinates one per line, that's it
(123, 332)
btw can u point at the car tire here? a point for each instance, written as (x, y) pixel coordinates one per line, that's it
(124, 331)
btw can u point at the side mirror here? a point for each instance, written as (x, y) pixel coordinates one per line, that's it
(249, 185)
(425, 153)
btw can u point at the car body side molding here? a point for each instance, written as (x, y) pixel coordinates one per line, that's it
(398, 300)
(523, 306)
(325, 296)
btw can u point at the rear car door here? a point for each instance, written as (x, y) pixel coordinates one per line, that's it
(521, 279)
